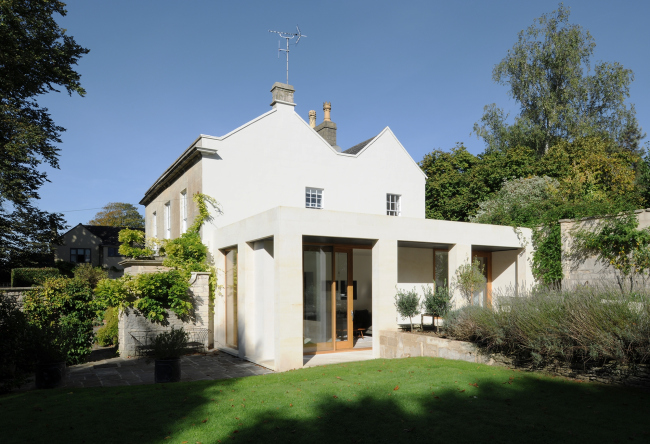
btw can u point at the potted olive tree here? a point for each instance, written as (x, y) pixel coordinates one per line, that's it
(166, 351)
(407, 304)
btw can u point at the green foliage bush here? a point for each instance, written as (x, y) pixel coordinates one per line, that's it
(16, 360)
(90, 274)
(468, 279)
(436, 303)
(169, 344)
(150, 295)
(588, 325)
(133, 244)
(108, 334)
(62, 312)
(407, 304)
(29, 277)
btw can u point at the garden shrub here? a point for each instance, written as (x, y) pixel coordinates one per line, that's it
(62, 312)
(108, 334)
(90, 274)
(15, 357)
(150, 295)
(587, 325)
(29, 277)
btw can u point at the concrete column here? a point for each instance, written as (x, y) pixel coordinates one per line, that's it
(288, 307)
(384, 282)
(246, 299)
(525, 279)
(459, 254)
(219, 338)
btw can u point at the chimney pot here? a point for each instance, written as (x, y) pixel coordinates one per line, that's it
(327, 107)
(327, 129)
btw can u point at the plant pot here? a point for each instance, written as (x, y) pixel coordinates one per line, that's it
(50, 375)
(167, 370)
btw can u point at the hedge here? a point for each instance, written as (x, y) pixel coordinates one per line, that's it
(29, 277)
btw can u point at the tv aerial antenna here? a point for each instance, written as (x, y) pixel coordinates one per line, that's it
(288, 36)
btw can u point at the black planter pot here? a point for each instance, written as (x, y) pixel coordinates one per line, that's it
(167, 370)
(50, 375)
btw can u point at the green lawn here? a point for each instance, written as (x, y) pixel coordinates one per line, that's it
(403, 400)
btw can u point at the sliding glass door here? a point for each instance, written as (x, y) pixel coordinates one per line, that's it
(327, 298)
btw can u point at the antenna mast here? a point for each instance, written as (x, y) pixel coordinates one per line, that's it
(288, 36)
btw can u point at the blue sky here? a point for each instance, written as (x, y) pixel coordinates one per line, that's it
(159, 73)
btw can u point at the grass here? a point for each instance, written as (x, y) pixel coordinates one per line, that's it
(393, 401)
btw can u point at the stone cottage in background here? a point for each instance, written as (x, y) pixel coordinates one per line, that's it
(92, 244)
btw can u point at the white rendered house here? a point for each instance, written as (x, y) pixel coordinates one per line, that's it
(313, 241)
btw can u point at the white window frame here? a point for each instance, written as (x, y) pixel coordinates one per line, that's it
(393, 204)
(183, 211)
(168, 220)
(314, 198)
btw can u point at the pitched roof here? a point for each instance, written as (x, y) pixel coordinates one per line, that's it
(108, 235)
(357, 148)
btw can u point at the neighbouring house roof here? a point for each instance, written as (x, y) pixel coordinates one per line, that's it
(358, 147)
(108, 235)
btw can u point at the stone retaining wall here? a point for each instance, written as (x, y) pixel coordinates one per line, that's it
(395, 344)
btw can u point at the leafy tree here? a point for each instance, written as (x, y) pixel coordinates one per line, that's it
(36, 57)
(118, 214)
(549, 74)
(468, 279)
(450, 194)
(407, 304)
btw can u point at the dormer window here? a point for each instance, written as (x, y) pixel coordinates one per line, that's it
(313, 198)
(393, 207)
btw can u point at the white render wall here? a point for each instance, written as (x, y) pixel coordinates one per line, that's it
(287, 226)
(269, 161)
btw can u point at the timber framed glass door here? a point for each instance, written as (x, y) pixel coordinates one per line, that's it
(327, 298)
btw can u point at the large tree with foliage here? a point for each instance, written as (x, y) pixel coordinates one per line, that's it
(36, 57)
(118, 214)
(549, 74)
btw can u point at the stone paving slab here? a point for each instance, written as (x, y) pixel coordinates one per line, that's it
(117, 372)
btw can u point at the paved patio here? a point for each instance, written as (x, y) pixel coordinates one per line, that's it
(118, 371)
(336, 358)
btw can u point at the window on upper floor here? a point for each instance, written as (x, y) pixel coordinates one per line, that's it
(80, 255)
(168, 221)
(183, 211)
(313, 197)
(154, 224)
(393, 204)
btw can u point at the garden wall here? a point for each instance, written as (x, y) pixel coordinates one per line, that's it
(201, 318)
(395, 344)
(17, 293)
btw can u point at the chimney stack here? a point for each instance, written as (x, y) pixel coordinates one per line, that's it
(327, 129)
(283, 94)
(312, 118)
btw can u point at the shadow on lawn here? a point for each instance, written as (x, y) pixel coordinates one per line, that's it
(518, 408)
